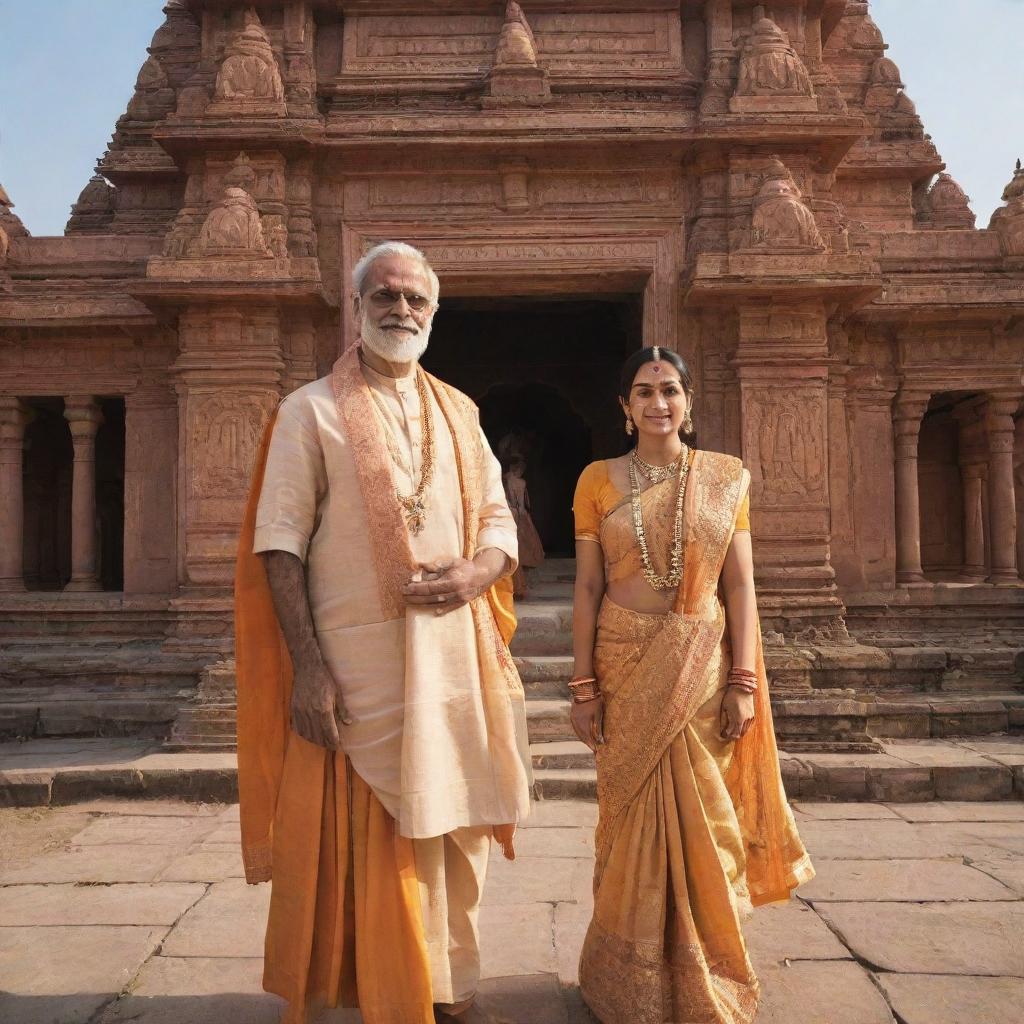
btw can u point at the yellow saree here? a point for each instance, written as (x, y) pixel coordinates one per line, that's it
(693, 829)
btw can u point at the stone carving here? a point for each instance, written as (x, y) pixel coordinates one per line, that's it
(772, 75)
(226, 432)
(234, 228)
(249, 80)
(945, 206)
(153, 98)
(780, 219)
(1008, 220)
(94, 210)
(787, 431)
(516, 77)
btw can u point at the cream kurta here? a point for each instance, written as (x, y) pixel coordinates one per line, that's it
(420, 737)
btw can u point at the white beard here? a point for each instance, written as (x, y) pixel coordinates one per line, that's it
(395, 348)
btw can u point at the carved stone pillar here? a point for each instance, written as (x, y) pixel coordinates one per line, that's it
(973, 476)
(1018, 479)
(721, 58)
(227, 378)
(151, 455)
(13, 418)
(999, 426)
(782, 366)
(84, 417)
(908, 411)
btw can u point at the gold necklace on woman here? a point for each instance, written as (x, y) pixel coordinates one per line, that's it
(657, 474)
(414, 505)
(672, 578)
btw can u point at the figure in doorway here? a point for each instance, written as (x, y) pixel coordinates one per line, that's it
(531, 548)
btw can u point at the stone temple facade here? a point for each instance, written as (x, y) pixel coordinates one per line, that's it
(747, 183)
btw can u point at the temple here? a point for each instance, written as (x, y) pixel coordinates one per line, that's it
(749, 184)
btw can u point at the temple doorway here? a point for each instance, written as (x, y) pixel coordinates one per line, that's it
(545, 375)
(47, 467)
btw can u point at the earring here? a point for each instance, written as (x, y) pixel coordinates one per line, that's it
(629, 425)
(688, 422)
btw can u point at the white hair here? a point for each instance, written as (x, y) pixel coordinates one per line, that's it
(361, 271)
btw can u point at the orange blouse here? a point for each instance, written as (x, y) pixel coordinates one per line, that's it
(596, 496)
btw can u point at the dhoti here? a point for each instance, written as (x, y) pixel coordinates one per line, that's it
(361, 915)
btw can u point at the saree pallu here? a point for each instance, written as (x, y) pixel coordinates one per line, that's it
(693, 829)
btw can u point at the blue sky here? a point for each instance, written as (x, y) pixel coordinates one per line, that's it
(69, 66)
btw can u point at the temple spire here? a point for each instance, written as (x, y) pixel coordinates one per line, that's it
(516, 78)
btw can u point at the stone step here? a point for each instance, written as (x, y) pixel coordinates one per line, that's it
(840, 721)
(562, 754)
(38, 711)
(45, 772)
(904, 771)
(545, 627)
(545, 675)
(555, 569)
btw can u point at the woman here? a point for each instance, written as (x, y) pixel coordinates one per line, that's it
(531, 548)
(670, 692)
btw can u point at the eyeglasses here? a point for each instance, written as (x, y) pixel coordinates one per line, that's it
(384, 298)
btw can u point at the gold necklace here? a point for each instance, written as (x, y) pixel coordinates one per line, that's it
(657, 474)
(674, 575)
(414, 505)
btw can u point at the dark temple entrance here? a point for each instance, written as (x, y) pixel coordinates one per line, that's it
(545, 375)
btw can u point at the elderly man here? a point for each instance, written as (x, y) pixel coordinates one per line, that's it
(382, 737)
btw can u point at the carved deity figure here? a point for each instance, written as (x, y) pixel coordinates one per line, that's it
(781, 220)
(770, 66)
(233, 228)
(250, 70)
(5, 245)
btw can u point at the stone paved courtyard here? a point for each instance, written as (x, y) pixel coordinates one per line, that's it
(116, 911)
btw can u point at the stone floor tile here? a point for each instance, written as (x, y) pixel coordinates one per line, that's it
(986, 810)
(820, 993)
(97, 864)
(147, 904)
(1002, 835)
(567, 813)
(932, 753)
(912, 881)
(230, 920)
(199, 990)
(225, 834)
(993, 744)
(157, 831)
(149, 808)
(229, 813)
(66, 974)
(517, 940)
(555, 842)
(534, 999)
(844, 812)
(203, 864)
(1005, 867)
(945, 999)
(791, 931)
(932, 938)
(875, 840)
(529, 880)
(571, 923)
